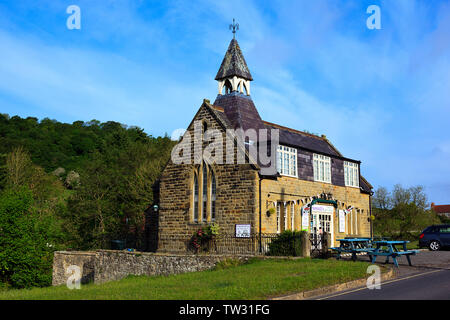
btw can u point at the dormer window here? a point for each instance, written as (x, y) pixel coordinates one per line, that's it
(287, 161)
(322, 168)
(351, 174)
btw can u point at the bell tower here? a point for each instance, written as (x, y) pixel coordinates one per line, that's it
(233, 74)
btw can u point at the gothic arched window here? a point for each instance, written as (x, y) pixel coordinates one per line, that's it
(204, 194)
(213, 196)
(195, 197)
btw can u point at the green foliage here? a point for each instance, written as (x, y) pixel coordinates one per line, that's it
(89, 182)
(26, 241)
(402, 214)
(203, 236)
(271, 211)
(287, 243)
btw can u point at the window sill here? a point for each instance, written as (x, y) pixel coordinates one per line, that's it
(199, 223)
(329, 182)
(288, 175)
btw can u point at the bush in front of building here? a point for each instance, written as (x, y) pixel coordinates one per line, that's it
(287, 243)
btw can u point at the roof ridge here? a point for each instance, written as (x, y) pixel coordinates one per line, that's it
(294, 130)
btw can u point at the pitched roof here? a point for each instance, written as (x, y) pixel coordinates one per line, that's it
(441, 208)
(236, 110)
(240, 111)
(304, 140)
(233, 63)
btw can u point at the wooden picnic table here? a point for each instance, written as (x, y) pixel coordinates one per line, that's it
(374, 249)
(353, 246)
(391, 249)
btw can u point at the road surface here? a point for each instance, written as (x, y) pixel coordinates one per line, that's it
(433, 284)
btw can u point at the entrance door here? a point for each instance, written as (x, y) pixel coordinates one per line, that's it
(323, 222)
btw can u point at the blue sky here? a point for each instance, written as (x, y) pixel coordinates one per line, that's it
(380, 96)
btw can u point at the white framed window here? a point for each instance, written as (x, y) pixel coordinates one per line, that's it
(322, 168)
(287, 161)
(351, 174)
(292, 216)
(285, 216)
(278, 216)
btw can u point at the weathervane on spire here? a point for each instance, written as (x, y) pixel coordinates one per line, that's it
(234, 27)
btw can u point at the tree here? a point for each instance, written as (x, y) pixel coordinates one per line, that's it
(382, 199)
(19, 165)
(26, 246)
(402, 213)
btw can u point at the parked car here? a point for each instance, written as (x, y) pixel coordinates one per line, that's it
(435, 237)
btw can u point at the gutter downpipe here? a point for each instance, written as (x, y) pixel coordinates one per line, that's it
(260, 218)
(370, 212)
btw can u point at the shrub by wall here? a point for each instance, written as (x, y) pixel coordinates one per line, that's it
(287, 243)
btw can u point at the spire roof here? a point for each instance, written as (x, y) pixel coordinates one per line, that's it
(233, 63)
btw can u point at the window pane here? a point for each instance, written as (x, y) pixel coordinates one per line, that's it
(213, 196)
(195, 198)
(316, 168)
(321, 171)
(205, 192)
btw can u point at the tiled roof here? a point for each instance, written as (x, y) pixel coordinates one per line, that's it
(236, 110)
(441, 208)
(365, 185)
(240, 111)
(304, 140)
(233, 63)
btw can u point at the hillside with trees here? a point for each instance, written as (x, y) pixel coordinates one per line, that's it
(70, 186)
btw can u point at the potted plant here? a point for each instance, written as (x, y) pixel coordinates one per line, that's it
(203, 238)
(270, 212)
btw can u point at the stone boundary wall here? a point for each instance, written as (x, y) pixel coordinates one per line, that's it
(108, 265)
(63, 259)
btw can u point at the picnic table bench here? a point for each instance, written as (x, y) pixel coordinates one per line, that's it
(374, 249)
(390, 249)
(353, 246)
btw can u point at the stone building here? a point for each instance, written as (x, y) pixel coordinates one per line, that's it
(308, 185)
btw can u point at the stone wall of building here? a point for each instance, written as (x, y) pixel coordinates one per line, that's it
(108, 265)
(238, 196)
(235, 195)
(294, 191)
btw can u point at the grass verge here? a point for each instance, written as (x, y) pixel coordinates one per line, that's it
(258, 279)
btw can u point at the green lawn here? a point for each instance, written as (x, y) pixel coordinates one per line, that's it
(413, 245)
(258, 279)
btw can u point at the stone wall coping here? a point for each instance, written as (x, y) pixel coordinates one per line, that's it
(158, 254)
(77, 253)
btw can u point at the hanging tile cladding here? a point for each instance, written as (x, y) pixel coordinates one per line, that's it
(305, 168)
